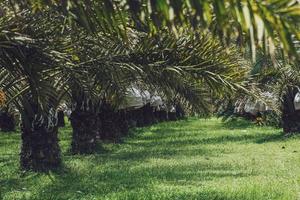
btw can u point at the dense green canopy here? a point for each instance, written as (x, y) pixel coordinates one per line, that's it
(266, 24)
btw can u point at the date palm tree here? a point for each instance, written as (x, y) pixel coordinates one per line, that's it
(30, 79)
(39, 132)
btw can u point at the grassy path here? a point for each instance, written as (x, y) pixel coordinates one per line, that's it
(193, 159)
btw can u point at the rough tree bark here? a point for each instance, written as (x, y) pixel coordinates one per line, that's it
(180, 114)
(61, 119)
(123, 122)
(40, 149)
(84, 124)
(161, 115)
(138, 117)
(131, 118)
(148, 115)
(113, 124)
(172, 116)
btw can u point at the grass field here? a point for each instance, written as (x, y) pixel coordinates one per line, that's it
(191, 159)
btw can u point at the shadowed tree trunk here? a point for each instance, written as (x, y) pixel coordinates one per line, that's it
(148, 115)
(7, 122)
(40, 150)
(290, 116)
(113, 124)
(135, 117)
(161, 115)
(180, 114)
(138, 117)
(143, 116)
(84, 124)
(123, 123)
(172, 116)
(61, 119)
(131, 118)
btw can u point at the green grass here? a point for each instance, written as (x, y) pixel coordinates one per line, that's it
(192, 159)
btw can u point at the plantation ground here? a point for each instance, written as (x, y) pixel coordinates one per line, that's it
(192, 159)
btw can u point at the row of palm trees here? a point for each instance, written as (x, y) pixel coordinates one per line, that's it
(88, 53)
(45, 61)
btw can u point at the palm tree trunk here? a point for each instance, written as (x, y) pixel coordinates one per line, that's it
(123, 123)
(172, 116)
(143, 116)
(40, 150)
(7, 122)
(290, 116)
(148, 114)
(131, 119)
(113, 124)
(85, 128)
(180, 114)
(139, 117)
(61, 119)
(161, 115)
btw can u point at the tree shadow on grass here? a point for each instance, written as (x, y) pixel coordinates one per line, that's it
(157, 139)
(278, 136)
(109, 173)
(123, 177)
(140, 163)
(146, 163)
(271, 138)
(237, 123)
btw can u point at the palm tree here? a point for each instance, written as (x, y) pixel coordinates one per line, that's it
(287, 86)
(40, 149)
(85, 126)
(30, 78)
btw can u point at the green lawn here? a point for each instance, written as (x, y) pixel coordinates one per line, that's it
(192, 159)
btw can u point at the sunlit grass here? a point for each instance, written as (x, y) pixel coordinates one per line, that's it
(192, 159)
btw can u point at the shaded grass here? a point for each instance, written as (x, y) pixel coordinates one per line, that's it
(191, 159)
